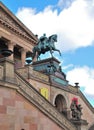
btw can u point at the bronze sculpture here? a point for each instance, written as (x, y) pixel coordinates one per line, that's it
(44, 45)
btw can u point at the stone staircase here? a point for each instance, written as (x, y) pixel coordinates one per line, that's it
(33, 96)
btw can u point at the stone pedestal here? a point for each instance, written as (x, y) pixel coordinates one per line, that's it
(43, 65)
(80, 124)
(51, 67)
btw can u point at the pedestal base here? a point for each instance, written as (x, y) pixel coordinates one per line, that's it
(80, 124)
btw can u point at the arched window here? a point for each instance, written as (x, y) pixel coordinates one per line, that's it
(60, 104)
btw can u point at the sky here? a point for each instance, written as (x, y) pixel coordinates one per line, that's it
(73, 22)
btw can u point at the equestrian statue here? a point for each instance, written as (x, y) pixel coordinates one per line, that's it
(44, 45)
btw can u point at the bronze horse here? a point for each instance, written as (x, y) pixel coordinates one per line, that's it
(45, 45)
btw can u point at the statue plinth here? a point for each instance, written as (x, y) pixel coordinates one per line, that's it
(80, 124)
(51, 68)
(46, 64)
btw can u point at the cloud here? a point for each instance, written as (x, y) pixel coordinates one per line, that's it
(85, 76)
(74, 25)
(64, 3)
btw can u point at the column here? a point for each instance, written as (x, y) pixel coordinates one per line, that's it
(23, 56)
(11, 47)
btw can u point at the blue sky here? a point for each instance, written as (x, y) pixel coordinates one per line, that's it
(73, 22)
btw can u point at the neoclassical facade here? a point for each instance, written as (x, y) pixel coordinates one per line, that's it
(30, 97)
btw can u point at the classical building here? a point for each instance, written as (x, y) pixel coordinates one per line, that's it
(35, 96)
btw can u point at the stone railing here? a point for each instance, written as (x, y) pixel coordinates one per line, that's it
(73, 89)
(41, 103)
(28, 72)
(23, 71)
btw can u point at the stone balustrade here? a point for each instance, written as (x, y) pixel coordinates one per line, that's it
(73, 89)
(28, 72)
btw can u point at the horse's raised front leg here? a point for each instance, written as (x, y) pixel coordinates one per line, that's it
(58, 51)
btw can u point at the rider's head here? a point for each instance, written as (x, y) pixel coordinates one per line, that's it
(44, 34)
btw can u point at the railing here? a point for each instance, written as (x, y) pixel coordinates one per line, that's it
(73, 89)
(28, 72)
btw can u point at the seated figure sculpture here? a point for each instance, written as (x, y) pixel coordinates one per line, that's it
(76, 110)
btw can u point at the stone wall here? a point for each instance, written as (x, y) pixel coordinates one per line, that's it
(17, 113)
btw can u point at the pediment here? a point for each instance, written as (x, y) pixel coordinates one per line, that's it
(8, 19)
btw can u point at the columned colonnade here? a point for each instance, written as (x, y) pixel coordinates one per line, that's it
(22, 50)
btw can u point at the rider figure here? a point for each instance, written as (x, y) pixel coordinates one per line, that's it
(42, 42)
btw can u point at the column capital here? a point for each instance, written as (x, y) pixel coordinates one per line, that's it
(23, 50)
(11, 43)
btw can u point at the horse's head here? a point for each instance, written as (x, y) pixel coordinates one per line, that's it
(53, 37)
